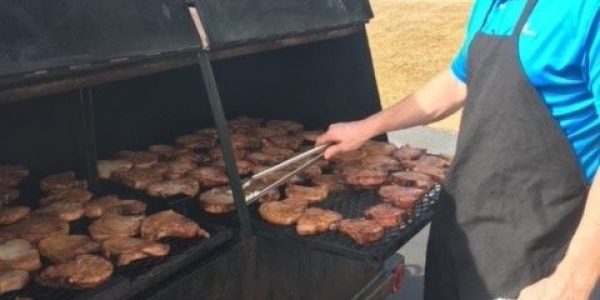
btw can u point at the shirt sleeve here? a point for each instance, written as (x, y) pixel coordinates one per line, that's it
(459, 64)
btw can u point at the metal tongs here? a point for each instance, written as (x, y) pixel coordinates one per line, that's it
(313, 155)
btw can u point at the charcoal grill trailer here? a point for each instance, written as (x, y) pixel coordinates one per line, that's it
(82, 80)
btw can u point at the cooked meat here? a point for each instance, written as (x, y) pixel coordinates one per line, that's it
(292, 142)
(60, 182)
(138, 178)
(364, 177)
(311, 193)
(259, 185)
(191, 156)
(316, 220)
(169, 188)
(275, 175)
(12, 280)
(207, 131)
(277, 151)
(245, 141)
(12, 175)
(163, 151)
(261, 158)
(349, 156)
(334, 182)
(281, 213)
(265, 132)
(124, 250)
(77, 195)
(112, 204)
(35, 228)
(139, 159)
(84, 272)
(216, 154)
(289, 126)
(375, 148)
(169, 223)
(361, 230)
(113, 225)
(401, 197)
(217, 209)
(64, 248)
(407, 153)
(381, 162)
(197, 141)
(218, 196)
(19, 255)
(107, 167)
(178, 168)
(311, 172)
(412, 179)
(244, 167)
(436, 173)
(64, 210)
(208, 177)
(312, 135)
(386, 215)
(8, 195)
(296, 202)
(12, 214)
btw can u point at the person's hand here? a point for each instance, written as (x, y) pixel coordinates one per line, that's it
(344, 137)
(561, 285)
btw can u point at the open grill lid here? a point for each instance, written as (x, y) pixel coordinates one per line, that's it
(46, 39)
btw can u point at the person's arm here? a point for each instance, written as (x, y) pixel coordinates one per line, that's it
(443, 95)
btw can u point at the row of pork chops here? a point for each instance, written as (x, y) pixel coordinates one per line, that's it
(193, 167)
(119, 233)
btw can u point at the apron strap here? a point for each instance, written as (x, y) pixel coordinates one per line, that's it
(524, 17)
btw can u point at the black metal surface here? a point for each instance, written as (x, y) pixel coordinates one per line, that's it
(352, 204)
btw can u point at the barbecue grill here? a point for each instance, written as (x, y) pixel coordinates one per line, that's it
(82, 80)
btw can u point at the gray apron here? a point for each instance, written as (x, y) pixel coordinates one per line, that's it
(515, 192)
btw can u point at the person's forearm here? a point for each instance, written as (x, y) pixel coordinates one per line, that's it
(439, 98)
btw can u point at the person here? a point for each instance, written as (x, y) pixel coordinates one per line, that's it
(519, 212)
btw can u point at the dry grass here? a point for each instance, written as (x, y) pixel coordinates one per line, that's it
(411, 40)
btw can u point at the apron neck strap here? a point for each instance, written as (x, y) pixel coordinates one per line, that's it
(524, 17)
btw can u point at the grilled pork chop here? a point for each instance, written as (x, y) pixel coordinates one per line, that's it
(84, 272)
(412, 179)
(375, 148)
(281, 213)
(209, 176)
(408, 153)
(163, 151)
(198, 140)
(435, 172)
(12, 175)
(113, 225)
(178, 168)
(260, 158)
(139, 159)
(316, 220)
(113, 204)
(292, 142)
(401, 197)
(334, 182)
(77, 195)
(169, 223)
(168, 188)
(61, 182)
(311, 193)
(361, 230)
(107, 167)
(380, 162)
(360, 177)
(124, 250)
(349, 157)
(12, 214)
(386, 215)
(244, 167)
(190, 156)
(64, 248)
(245, 141)
(19, 254)
(64, 210)
(138, 178)
(12, 280)
(34, 228)
(217, 200)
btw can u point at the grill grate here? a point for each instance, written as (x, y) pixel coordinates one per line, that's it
(352, 204)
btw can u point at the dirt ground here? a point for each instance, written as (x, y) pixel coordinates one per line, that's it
(411, 40)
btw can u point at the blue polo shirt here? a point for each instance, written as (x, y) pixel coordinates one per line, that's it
(559, 50)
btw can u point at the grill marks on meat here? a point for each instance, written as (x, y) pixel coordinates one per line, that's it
(13, 214)
(64, 210)
(364, 177)
(312, 194)
(64, 248)
(19, 254)
(124, 250)
(209, 176)
(386, 215)
(107, 167)
(412, 179)
(281, 212)
(84, 272)
(35, 228)
(168, 188)
(115, 225)
(137, 178)
(113, 204)
(361, 230)
(139, 159)
(401, 197)
(61, 182)
(169, 223)
(316, 220)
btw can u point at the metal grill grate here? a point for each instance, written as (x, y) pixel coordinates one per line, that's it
(352, 204)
